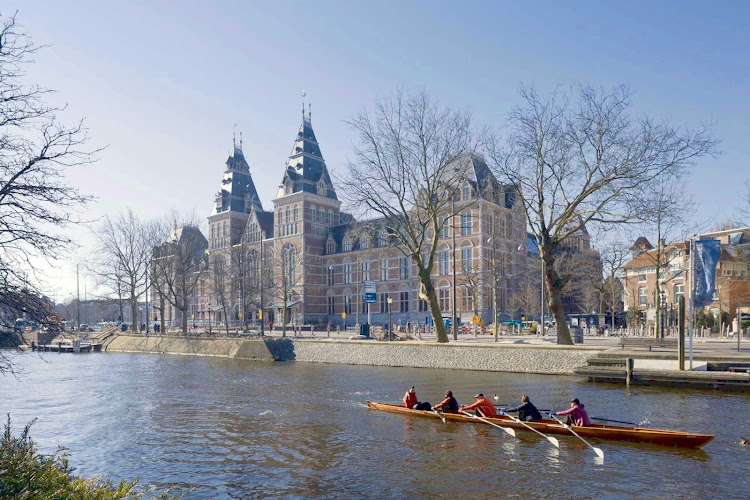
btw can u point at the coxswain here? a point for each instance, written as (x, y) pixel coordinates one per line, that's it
(527, 412)
(575, 415)
(483, 407)
(448, 405)
(410, 398)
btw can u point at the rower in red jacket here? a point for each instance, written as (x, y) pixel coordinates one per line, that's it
(410, 398)
(484, 407)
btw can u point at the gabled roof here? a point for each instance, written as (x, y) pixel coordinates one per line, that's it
(642, 244)
(648, 258)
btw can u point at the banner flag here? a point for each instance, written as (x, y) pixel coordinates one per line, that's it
(706, 258)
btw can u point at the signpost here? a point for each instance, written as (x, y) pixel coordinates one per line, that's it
(370, 297)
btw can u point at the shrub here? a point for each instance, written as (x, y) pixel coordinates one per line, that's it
(27, 474)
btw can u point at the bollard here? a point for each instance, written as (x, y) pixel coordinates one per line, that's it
(628, 371)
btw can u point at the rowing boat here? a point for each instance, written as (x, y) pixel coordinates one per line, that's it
(547, 426)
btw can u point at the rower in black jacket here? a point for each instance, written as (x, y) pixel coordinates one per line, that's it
(527, 412)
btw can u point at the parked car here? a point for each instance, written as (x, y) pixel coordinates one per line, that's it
(84, 328)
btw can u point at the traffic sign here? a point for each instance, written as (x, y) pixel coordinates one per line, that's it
(343, 315)
(370, 292)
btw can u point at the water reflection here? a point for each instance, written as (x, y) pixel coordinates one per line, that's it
(249, 429)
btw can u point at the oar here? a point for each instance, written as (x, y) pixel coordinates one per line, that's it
(598, 451)
(439, 415)
(616, 421)
(506, 429)
(552, 440)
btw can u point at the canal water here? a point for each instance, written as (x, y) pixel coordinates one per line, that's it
(243, 429)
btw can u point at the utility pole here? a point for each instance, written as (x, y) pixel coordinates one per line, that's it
(453, 235)
(147, 316)
(542, 304)
(78, 298)
(262, 301)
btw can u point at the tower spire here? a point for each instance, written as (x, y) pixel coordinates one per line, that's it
(240, 140)
(309, 112)
(303, 104)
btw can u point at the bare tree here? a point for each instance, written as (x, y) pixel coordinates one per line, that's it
(181, 259)
(614, 256)
(220, 285)
(36, 202)
(282, 268)
(124, 252)
(581, 159)
(244, 263)
(411, 158)
(665, 207)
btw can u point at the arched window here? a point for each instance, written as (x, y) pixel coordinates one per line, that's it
(330, 217)
(287, 214)
(466, 223)
(313, 214)
(296, 213)
(347, 245)
(322, 188)
(280, 217)
(364, 243)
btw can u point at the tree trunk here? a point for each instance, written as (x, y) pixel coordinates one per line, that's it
(428, 293)
(184, 319)
(555, 286)
(134, 312)
(162, 309)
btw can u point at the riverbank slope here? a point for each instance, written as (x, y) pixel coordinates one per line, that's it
(520, 357)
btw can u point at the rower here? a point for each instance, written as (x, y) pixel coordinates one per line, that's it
(410, 398)
(483, 407)
(527, 412)
(575, 415)
(448, 405)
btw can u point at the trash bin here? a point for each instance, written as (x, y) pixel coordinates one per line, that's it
(364, 329)
(124, 327)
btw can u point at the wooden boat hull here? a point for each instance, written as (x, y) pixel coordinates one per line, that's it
(547, 426)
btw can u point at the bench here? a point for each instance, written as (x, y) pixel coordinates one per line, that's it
(647, 342)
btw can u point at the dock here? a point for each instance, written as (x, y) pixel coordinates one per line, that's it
(660, 370)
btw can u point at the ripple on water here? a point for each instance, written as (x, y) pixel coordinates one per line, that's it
(246, 429)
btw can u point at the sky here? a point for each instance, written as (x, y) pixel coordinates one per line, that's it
(162, 84)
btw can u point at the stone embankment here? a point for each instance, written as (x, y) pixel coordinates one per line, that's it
(526, 358)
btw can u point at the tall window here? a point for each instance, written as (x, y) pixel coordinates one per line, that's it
(444, 297)
(384, 270)
(383, 302)
(679, 291)
(331, 305)
(383, 239)
(422, 305)
(404, 301)
(642, 296)
(331, 276)
(403, 268)
(365, 271)
(288, 212)
(347, 245)
(290, 265)
(467, 299)
(348, 304)
(445, 229)
(466, 192)
(364, 243)
(466, 260)
(347, 273)
(641, 278)
(466, 223)
(444, 262)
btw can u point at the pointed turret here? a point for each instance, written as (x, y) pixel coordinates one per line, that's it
(306, 169)
(237, 191)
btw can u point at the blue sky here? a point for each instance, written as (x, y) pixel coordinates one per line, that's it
(162, 83)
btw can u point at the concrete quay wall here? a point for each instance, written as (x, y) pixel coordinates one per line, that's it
(525, 358)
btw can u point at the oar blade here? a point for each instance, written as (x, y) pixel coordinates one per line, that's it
(510, 431)
(598, 452)
(554, 441)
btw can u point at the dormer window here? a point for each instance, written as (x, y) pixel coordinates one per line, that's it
(331, 247)
(287, 187)
(347, 245)
(364, 243)
(322, 190)
(466, 192)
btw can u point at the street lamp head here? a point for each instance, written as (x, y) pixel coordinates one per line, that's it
(489, 240)
(390, 300)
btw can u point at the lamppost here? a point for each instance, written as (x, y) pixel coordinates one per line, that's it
(140, 314)
(496, 317)
(390, 323)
